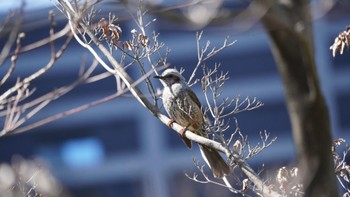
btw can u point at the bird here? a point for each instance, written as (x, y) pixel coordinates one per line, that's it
(183, 107)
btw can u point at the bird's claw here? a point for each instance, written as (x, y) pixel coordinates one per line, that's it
(170, 123)
(182, 132)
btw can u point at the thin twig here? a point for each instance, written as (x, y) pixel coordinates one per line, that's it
(38, 73)
(12, 36)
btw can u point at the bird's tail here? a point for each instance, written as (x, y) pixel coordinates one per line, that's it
(216, 163)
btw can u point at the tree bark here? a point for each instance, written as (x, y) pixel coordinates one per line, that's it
(290, 30)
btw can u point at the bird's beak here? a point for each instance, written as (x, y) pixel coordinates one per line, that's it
(158, 77)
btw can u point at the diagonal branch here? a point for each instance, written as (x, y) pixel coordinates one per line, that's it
(74, 20)
(37, 73)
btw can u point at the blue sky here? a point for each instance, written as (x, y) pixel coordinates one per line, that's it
(29, 4)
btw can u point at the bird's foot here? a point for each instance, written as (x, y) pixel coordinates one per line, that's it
(170, 123)
(182, 132)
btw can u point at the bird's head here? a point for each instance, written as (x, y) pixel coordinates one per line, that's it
(170, 76)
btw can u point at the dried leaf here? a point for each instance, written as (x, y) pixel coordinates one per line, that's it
(127, 45)
(143, 40)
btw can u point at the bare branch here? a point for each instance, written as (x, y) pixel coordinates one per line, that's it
(342, 168)
(40, 43)
(37, 104)
(200, 167)
(35, 75)
(13, 34)
(266, 142)
(13, 59)
(202, 54)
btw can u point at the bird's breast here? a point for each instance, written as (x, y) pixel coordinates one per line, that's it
(182, 108)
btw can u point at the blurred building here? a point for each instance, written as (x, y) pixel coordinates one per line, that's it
(119, 149)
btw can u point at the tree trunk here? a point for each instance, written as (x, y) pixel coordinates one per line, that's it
(290, 31)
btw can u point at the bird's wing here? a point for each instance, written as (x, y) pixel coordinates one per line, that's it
(205, 118)
(194, 97)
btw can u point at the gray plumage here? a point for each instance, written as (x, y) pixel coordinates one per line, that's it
(183, 106)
